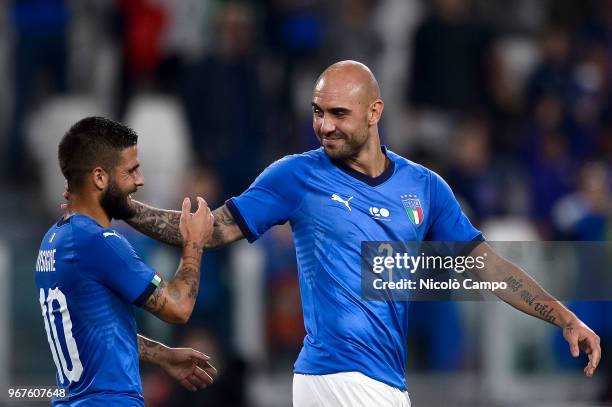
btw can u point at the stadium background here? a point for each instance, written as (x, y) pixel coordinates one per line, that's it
(508, 99)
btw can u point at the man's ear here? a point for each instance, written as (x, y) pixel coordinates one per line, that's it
(99, 178)
(375, 112)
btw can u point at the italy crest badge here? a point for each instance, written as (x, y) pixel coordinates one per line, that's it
(412, 204)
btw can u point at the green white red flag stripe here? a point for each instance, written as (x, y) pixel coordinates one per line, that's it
(416, 215)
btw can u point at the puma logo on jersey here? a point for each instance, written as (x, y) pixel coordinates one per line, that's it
(107, 234)
(336, 197)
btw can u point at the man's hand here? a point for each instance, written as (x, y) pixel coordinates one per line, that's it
(196, 228)
(576, 333)
(188, 366)
(579, 336)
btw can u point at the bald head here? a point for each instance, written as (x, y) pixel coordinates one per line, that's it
(350, 78)
(346, 108)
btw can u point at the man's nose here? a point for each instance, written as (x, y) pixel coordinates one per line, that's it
(327, 125)
(139, 179)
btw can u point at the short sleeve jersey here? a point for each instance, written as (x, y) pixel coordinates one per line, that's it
(332, 209)
(88, 278)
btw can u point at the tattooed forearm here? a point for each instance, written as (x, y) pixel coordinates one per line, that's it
(523, 292)
(197, 250)
(173, 301)
(160, 224)
(543, 309)
(186, 281)
(149, 350)
(189, 279)
(163, 225)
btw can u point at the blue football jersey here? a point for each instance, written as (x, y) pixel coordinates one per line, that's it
(332, 209)
(88, 277)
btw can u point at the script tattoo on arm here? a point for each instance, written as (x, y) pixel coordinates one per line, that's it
(525, 294)
(522, 292)
(542, 309)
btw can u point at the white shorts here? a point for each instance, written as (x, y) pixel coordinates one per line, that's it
(346, 389)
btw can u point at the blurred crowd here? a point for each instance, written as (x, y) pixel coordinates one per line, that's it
(509, 100)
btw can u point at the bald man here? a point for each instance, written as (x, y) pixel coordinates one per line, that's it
(350, 190)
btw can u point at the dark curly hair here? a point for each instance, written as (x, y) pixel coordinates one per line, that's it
(92, 142)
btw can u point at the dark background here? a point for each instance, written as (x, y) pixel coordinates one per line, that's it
(509, 100)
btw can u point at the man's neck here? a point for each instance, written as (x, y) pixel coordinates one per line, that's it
(89, 207)
(370, 161)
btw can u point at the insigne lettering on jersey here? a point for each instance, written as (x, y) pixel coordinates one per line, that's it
(107, 234)
(46, 260)
(52, 237)
(336, 197)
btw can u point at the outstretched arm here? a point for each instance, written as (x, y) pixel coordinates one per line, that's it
(189, 367)
(525, 294)
(163, 225)
(173, 301)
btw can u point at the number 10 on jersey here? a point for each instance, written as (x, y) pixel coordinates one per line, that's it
(55, 296)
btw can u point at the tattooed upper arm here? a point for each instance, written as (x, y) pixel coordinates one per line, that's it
(226, 230)
(157, 302)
